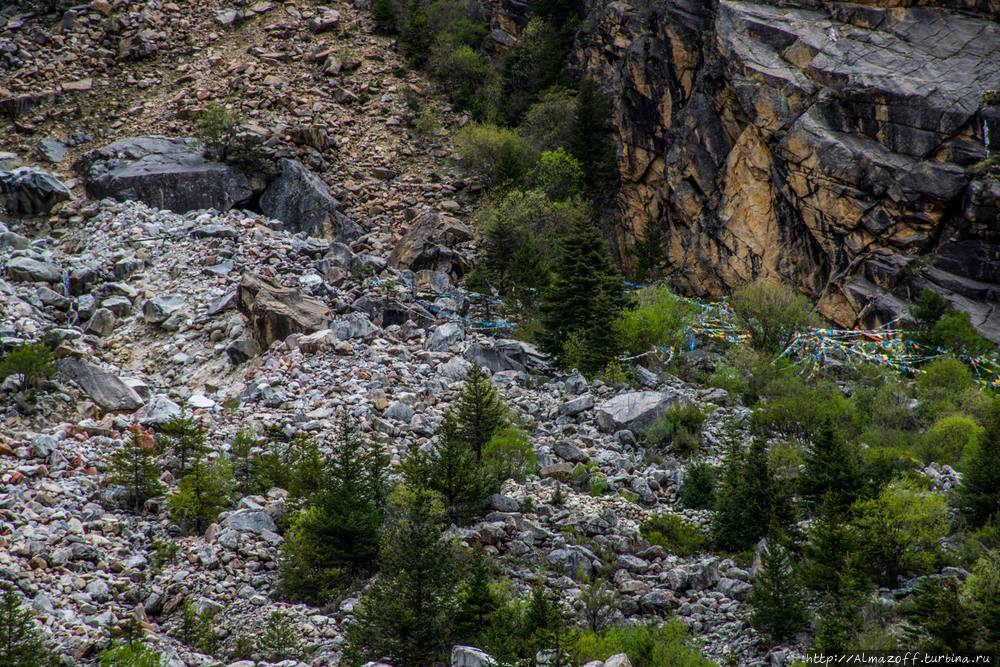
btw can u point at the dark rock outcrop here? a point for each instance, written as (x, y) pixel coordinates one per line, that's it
(30, 191)
(275, 311)
(162, 172)
(104, 388)
(429, 244)
(301, 200)
(822, 144)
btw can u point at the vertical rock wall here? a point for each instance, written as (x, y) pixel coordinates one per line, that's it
(825, 144)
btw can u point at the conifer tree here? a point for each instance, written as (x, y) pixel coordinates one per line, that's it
(980, 490)
(20, 645)
(502, 243)
(580, 276)
(338, 537)
(477, 603)
(134, 468)
(455, 473)
(187, 437)
(832, 469)
(587, 136)
(406, 616)
(480, 412)
(778, 606)
(203, 493)
(651, 262)
(939, 622)
(750, 502)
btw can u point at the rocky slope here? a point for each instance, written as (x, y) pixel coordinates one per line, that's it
(826, 144)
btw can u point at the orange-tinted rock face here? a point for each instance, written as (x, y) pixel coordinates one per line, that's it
(828, 145)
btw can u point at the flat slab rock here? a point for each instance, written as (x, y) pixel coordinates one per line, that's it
(635, 410)
(302, 201)
(162, 172)
(276, 311)
(106, 389)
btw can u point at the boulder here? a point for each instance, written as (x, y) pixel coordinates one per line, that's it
(162, 172)
(618, 660)
(399, 412)
(577, 405)
(492, 358)
(27, 270)
(50, 149)
(562, 472)
(159, 309)
(455, 368)
(354, 325)
(635, 410)
(429, 244)
(30, 191)
(105, 389)
(160, 409)
(275, 311)
(567, 451)
(241, 351)
(445, 336)
(248, 520)
(572, 562)
(101, 323)
(467, 656)
(302, 201)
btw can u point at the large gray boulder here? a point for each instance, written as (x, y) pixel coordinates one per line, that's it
(164, 173)
(27, 270)
(445, 336)
(104, 388)
(30, 191)
(635, 410)
(302, 201)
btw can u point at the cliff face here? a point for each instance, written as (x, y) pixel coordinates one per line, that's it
(826, 144)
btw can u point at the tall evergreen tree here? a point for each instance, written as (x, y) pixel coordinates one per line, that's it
(502, 242)
(203, 493)
(651, 261)
(338, 537)
(980, 490)
(134, 468)
(832, 469)
(587, 139)
(477, 604)
(405, 618)
(455, 473)
(481, 411)
(580, 275)
(778, 606)
(939, 622)
(750, 502)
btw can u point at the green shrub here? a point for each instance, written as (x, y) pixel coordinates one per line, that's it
(889, 457)
(785, 458)
(900, 529)
(509, 455)
(548, 124)
(980, 490)
(943, 386)
(481, 148)
(659, 319)
(20, 645)
(196, 629)
(669, 645)
(186, 437)
(218, 128)
(884, 407)
(245, 464)
(675, 536)
(771, 313)
(951, 439)
(559, 175)
(939, 621)
(698, 487)
(798, 412)
(130, 655)
(935, 324)
(31, 361)
(679, 429)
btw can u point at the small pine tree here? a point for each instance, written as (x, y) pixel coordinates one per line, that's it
(187, 437)
(246, 469)
(20, 645)
(580, 276)
(476, 603)
(481, 411)
(31, 361)
(939, 621)
(698, 489)
(407, 614)
(934, 324)
(338, 537)
(832, 469)
(750, 502)
(134, 468)
(979, 493)
(280, 641)
(651, 263)
(778, 607)
(587, 142)
(203, 493)
(502, 242)
(455, 473)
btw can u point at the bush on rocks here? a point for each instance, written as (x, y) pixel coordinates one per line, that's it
(31, 361)
(20, 645)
